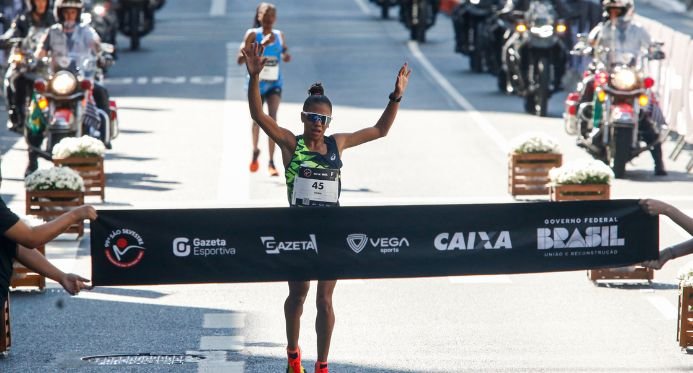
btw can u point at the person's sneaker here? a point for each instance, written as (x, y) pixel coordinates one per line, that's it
(321, 367)
(294, 363)
(273, 170)
(254, 165)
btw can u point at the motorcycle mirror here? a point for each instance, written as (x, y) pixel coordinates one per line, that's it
(107, 47)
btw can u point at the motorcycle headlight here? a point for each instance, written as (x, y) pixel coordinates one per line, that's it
(100, 10)
(542, 31)
(624, 80)
(63, 83)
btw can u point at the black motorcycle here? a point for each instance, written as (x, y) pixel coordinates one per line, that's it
(136, 19)
(103, 18)
(537, 57)
(418, 16)
(477, 29)
(385, 6)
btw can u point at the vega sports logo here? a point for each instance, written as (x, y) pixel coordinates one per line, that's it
(124, 248)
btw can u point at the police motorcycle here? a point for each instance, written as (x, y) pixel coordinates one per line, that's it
(21, 63)
(622, 92)
(385, 6)
(536, 60)
(136, 19)
(477, 30)
(418, 16)
(63, 104)
(101, 15)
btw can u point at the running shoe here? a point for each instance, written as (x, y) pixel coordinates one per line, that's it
(294, 365)
(321, 367)
(273, 170)
(254, 165)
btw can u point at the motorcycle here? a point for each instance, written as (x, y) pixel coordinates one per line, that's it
(536, 60)
(477, 30)
(63, 104)
(102, 17)
(136, 19)
(385, 6)
(21, 63)
(621, 129)
(418, 16)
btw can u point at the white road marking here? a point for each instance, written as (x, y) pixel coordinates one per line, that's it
(234, 178)
(218, 8)
(364, 6)
(174, 80)
(491, 279)
(227, 343)
(224, 321)
(477, 117)
(668, 310)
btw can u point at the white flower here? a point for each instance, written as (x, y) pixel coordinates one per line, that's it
(582, 172)
(685, 275)
(85, 146)
(54, 178)
(535, 143)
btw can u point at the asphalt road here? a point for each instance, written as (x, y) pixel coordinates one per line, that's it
(185, 142)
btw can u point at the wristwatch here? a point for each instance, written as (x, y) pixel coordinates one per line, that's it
(393, 98)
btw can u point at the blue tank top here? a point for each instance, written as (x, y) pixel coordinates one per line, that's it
(273, 51)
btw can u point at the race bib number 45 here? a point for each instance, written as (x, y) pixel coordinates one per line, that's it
(316, 186)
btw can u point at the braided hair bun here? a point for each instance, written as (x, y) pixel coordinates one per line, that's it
(316, 95)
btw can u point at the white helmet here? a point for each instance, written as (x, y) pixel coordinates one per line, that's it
(64, 4)
(626, 7)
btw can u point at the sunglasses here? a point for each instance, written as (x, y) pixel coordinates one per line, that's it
(314, 117)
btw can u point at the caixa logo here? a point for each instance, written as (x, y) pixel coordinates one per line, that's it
(124, 248)
(387, 245)
(473, 240)
(561, 237)
(274, 246)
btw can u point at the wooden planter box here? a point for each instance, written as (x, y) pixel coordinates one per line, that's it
(5, 336)
(91, 171)
(584, 192)
(23, 276)
(684, 329)
(624, 273)
(49, 204)
(528, 174)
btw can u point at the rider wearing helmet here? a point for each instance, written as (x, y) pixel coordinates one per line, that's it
(68, 38)
(620, 32)
(37, 17)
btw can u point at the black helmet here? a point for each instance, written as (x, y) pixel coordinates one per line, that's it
(64, 4)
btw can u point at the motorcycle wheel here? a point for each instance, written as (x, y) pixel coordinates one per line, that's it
(620, 150)
(502, 81)
(134, 28)
(384, 11)
(543, 75)
(476, 61)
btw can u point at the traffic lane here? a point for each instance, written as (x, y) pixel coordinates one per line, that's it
(681, 22)
(184, 57)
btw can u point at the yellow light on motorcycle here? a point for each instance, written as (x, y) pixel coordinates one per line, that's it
(561, 28)
(63, 83)
(17, 58)
(42, 103)
(521, 27)
(643, 100)
(601, 96)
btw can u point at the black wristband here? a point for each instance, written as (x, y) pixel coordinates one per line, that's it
(393, 98)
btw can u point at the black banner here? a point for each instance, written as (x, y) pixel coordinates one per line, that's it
(143, 247)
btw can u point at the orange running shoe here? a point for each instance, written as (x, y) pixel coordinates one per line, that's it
(273, 170)
(254, 165)
(294, 365)
(321, 367)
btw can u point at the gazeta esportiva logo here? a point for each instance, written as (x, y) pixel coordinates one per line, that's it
(124, 248)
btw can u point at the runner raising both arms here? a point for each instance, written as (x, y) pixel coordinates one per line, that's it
(304, 156)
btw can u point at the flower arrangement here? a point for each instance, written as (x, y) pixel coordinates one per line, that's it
(54, 178)
(582, 172)
(685, 275)
(535, 143)
(85, 146)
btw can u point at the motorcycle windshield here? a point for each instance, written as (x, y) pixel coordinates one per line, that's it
(624, 56)
(81, 64)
